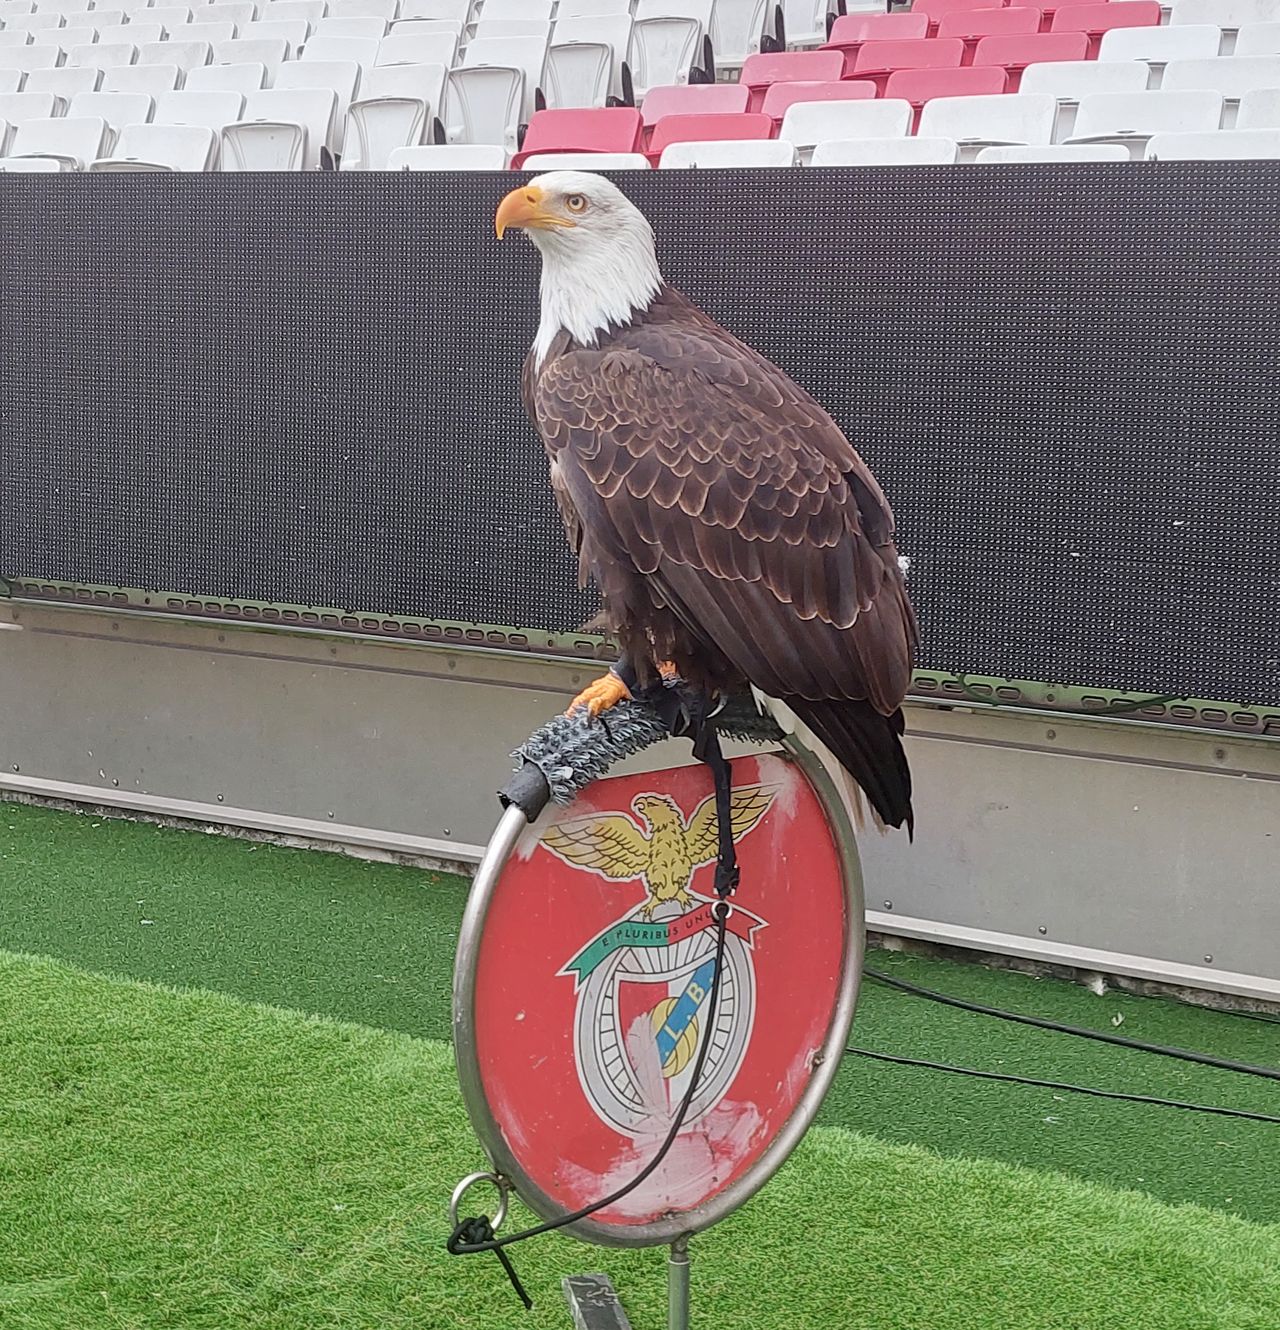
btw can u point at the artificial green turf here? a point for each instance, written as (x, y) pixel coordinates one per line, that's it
(189, 1160)
(374, 943)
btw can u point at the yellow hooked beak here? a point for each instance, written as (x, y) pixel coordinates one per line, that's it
(526, 207)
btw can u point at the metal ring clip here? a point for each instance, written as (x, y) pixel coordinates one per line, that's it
(504, 1193)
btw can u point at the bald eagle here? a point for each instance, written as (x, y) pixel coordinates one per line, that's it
(734, 533)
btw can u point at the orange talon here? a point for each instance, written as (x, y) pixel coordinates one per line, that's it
(667, 668)
(600, 695)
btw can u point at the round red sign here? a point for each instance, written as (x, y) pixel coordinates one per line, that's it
(591, 991)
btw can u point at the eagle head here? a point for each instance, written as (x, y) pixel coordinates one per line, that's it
(658, 810)
(599, 267)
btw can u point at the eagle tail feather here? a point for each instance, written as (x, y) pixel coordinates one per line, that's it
(868, 746)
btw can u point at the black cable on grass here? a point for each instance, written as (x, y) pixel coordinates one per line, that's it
(1062, 1085)
(1080, 1031)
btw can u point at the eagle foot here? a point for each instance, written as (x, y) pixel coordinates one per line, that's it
(600, 695)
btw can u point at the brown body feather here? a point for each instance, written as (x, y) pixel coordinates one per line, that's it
(732, 528)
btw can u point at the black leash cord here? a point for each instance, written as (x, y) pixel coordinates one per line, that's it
(460, 1245)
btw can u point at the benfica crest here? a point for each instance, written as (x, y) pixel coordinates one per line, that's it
(593, 979)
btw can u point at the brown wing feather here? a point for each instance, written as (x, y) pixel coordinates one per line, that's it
(688, 458)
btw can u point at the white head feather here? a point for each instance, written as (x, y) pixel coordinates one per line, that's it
(598, 271)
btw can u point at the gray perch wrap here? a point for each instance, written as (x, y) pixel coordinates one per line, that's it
(569, 752)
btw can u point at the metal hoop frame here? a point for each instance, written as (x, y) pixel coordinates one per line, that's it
(826, 1062)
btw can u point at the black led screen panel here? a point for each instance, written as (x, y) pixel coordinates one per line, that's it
(304, 390)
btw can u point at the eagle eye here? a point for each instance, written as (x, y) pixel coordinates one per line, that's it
(576, 203)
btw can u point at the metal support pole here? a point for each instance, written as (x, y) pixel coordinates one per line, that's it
(678, 1284)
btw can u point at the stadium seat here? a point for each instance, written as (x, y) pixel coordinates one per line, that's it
(851, 31)
(186, 55)
(1216, 145)
(920, 86)
(115, 108)
(366, 27)
(879, 60)
(102, 55)
(39, 24)
(435, 9)
(1132, 118)
(305, 11)
(971, 25)
(664, 45)
(359, 51)
(584, 61)
(200, 110)
(448, 157)
(78, 36)
(244, 79)
(736, 30)
(151, 79)
(757, 152)
(1014, 54)
(29, 165)
(501, 10)
(159, 148)
(238, 12)
(18, 106)
(33, 56)
(282, 130)
(1055, 152)
(982, 122)
(1229, 15)
(395, 105)
(936, 10)
(694, 99)
(293, 32)
(270, 52)
(73, 142)
(10, 81)
(493, 54)
(340, 77)
(1070, 80)
(706, 129)
(484, 105)
(1157, 46)
(587, 161)
(589, 129)
(806, 124)
(886, 152)
(64, 83)
(760, 72)
(167, 16)
(1258, 39)
(805, 21)
(408, 47)
(1232, 76)
(1096, 19)
(132, 34)
(514, 27)
(9, 38)
(782, 96)
(341, 11)
(204, 32)
(1258, 110)
(592, 8)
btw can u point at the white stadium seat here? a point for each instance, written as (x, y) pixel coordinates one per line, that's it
(1055, 152)
(200, 110)
(808, 123)
(63, 7)
(36, 23)
(513, 27)
(405, 46)
(244, 79)
(1157, 46)
(269, 52)
(102, 55)
(484, 105)
(77, 36)
(990, 121)
(527, 54)
(383, 10)
(238, 12)
(116, 108)
(65, 83)
(515, 9)
(75, 143)
(18, 106)
(10, 80)
(358, 51)
(586, 161)
(160, 148)
(10, 37)
(1070, 80)
(35, 56)
(592, 8)
(151, 79)
(395, 105)
(341, 77)
(282, 130)
(666, 41)
(1259, 110)
(1216, 145)
(728, 152)
(453, 10)
(185, 54)
(886, 152)
(584, 61)
(132, 34)
(293, 32)
(204, 32)
(736, 29)
(1232, 76)
(305, 11)
(29, 165)
(1133, 117)
(449, 157)
(1229, 15)
(1258, 39)
(168, 16)
(367, 27)
(806, 21)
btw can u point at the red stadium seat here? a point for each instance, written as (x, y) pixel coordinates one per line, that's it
(783, 95)
(588, 129)
(1051, 7)
(761, 71)
(851, 30)
(936, 9)
(918, 86)
(1095, 19)
(694, 99)
(970, 25)
(1014, 54)
(706, 129)
(877, 60)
